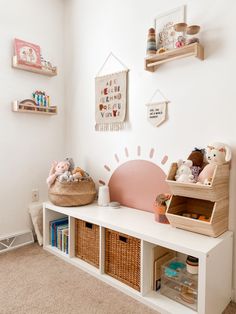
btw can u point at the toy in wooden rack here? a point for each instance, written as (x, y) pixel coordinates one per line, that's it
(197, 158)
(151, 42)
(216, 154)
(160, 207)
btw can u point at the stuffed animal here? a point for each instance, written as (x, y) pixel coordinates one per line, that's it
(197, 157)
(216, 154)
(58, 170)
(184, 173)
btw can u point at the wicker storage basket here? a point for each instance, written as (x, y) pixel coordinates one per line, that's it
(87, 242)
(72, 193)
(122, 258)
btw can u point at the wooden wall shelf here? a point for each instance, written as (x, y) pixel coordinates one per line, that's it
(29, 68)
(152, 62)
(17, 106)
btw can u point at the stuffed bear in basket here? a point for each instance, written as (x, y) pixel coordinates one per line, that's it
(69, 186)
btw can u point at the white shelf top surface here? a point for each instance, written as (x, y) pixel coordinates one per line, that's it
(142, 225)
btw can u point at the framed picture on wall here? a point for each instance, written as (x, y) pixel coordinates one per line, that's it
(27, 53)
(166, 35)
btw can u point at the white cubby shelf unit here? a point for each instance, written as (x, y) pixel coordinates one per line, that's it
(214, 254)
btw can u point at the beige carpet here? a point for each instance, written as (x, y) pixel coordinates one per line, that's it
(33, 281)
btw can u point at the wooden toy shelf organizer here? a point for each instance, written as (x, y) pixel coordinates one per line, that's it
(210, 201)
(118, 234)
(152, 62)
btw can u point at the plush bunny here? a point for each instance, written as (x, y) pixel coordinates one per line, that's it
(184, 172)
(58, 170)
(216, 154)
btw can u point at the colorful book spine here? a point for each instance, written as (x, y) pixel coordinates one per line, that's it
(53, 229)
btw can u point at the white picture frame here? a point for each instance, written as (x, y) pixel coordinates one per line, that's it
(163, 24)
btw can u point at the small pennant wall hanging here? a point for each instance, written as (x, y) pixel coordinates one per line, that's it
(157, 111)
(111, 100)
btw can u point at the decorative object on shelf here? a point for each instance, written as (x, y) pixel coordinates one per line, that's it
(192, 30)
(27, 53)
(197, 158)
(181, 39)
(28, 57)
(157, 111)
(166, 35)
(216, 154)
(30, 106)
(160, 206)
(161, 50)
(111, 99)
(152, 62)
(103, 196)
(114, 204)
(184, 173)
(66, 189)
(192, 265)
(41, 99)
(151, 42)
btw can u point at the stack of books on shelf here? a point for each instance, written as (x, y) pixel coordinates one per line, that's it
(59, 234)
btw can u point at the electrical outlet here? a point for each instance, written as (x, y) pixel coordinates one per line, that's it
(35, 195)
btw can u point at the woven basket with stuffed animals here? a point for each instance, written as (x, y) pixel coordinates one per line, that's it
(204, 174)
(69, 185)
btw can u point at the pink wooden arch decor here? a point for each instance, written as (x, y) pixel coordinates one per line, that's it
(136, 184)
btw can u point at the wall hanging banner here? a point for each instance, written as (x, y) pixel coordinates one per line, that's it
(156, 112)
(111, 101)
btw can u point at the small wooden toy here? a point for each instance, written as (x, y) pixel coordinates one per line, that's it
(151, 42)
(192, 30)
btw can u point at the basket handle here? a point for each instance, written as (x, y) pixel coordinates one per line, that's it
(88, 225)
(123, 239)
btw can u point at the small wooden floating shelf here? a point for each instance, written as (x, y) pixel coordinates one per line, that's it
(29, 68)
(18, 106)
(152, 62)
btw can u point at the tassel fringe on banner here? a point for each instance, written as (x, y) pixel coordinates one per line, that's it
(117, 126)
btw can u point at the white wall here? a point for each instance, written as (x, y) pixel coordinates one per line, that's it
(28, 142)
(202, 94)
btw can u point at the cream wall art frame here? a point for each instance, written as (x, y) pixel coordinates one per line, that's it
(163, 24)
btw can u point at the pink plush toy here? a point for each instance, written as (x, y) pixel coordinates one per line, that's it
(58, 169)
(216, 154)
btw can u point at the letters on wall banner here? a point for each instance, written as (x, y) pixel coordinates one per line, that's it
(157, 112)
(111, 100)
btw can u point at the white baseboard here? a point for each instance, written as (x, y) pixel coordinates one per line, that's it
(13, 241)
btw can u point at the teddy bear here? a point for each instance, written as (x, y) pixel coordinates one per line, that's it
(58, 170)
(184, 173)
(197, 157)
(216, 154)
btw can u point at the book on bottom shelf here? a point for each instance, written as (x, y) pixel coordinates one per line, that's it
(56, 228)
